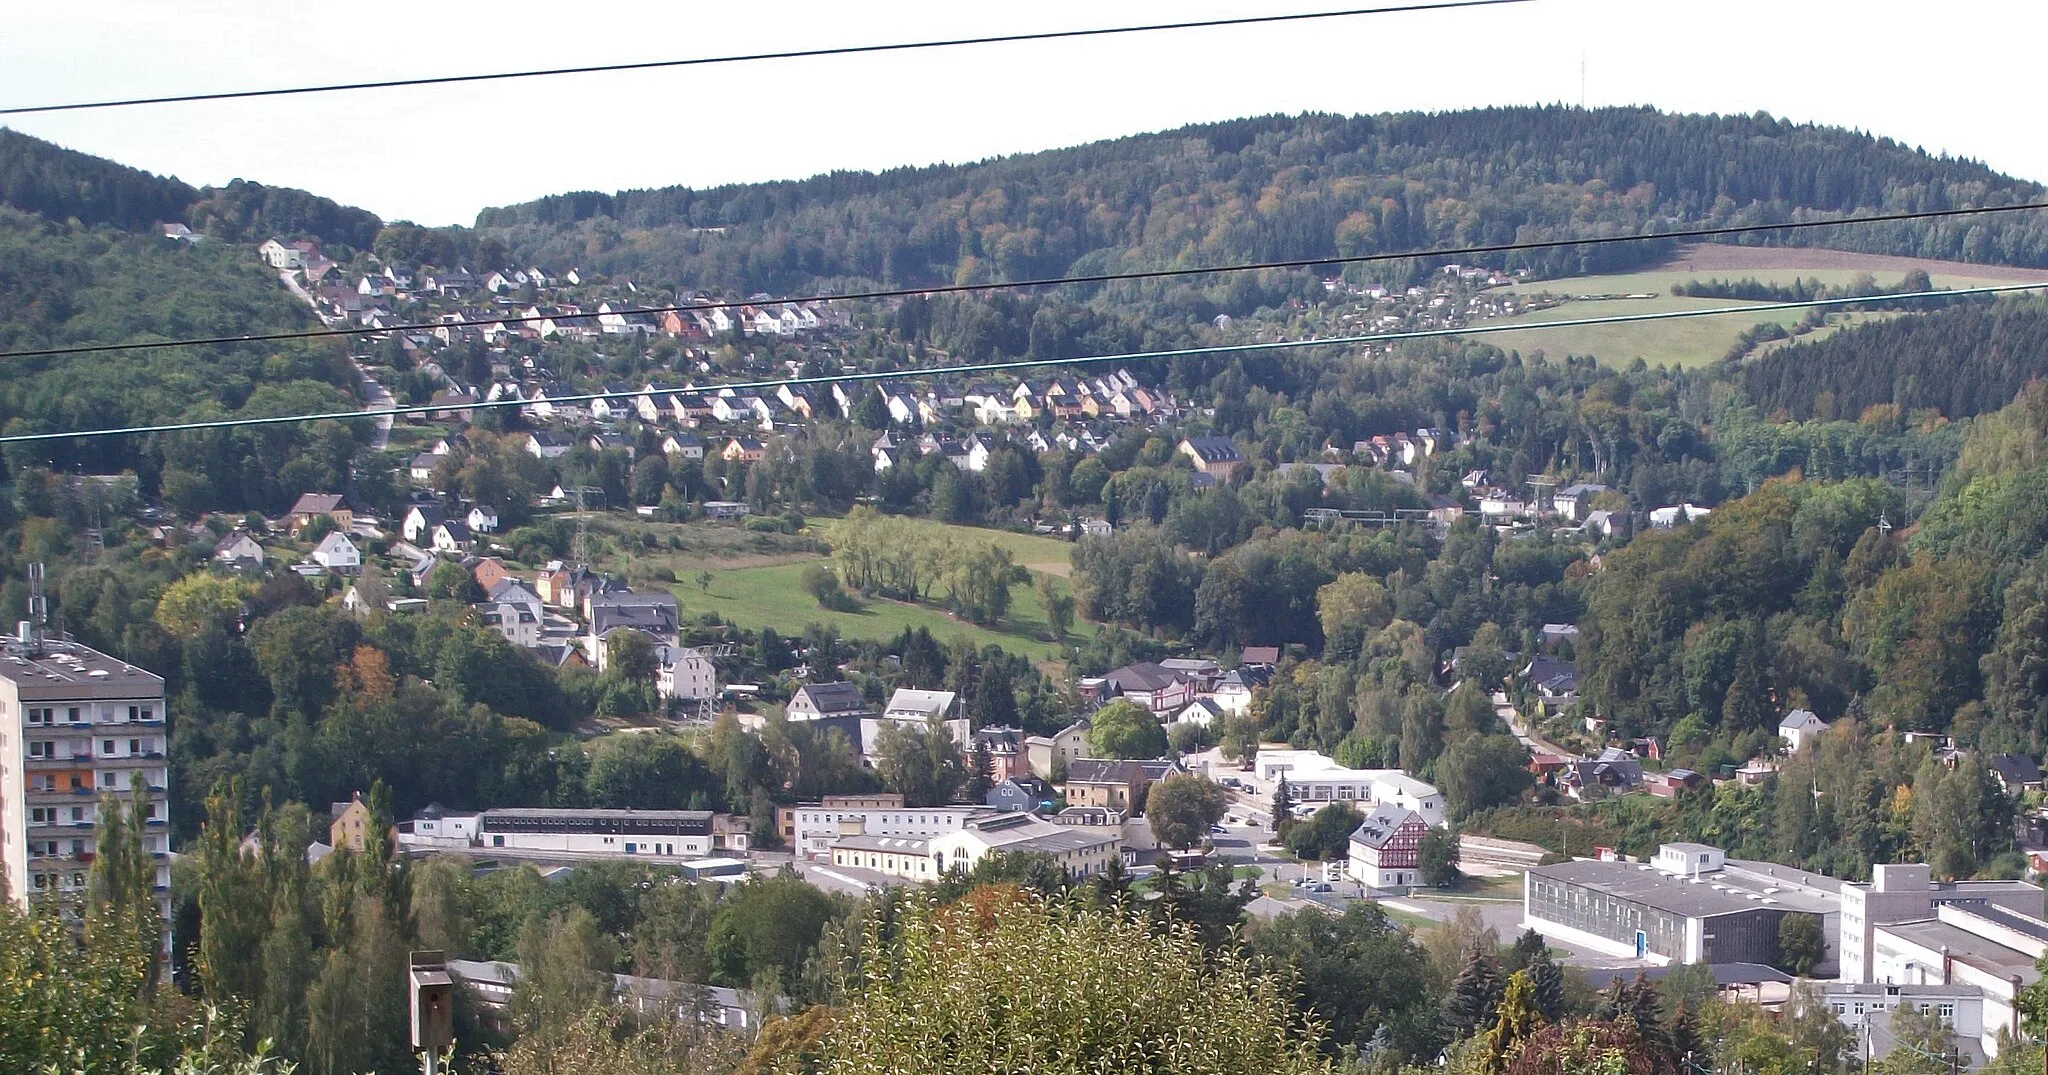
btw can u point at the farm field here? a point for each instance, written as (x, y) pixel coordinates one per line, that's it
(1699, 341)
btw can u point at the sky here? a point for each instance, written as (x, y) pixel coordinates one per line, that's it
(1961, 85)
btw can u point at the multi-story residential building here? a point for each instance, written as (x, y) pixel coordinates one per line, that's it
(76, 727)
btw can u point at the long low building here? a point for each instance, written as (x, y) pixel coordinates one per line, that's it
(661, 833)
(1317, 778)
(1689, 905)
(815, 828)
(492, 983)
(1082, 851)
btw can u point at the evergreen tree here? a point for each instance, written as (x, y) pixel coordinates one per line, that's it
(1474, 995)
(981, 774)
(1283, 808)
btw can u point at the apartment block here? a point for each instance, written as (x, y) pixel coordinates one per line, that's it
(76, 726)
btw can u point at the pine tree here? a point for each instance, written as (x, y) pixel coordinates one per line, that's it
(1283, 808)
(982, 775)
(1548, 979)
(1528, 949)
(1473, 996)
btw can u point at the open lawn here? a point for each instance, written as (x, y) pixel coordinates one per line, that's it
(774, 596)
(1697, 341)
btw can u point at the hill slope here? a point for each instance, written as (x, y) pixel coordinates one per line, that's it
(1284, 187)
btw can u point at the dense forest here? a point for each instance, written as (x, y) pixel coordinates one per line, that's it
(1961, 362)
(63, 184)
(1287, 187)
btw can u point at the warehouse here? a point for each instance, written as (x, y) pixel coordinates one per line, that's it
(1688, 907)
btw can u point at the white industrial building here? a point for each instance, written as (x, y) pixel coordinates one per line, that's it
(817, 827)
(659, 834)
(1316, 778)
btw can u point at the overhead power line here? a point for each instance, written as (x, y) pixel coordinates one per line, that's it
(795, 54)
(1031, 363)
(1054, 281)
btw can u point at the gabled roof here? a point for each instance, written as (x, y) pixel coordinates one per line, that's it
(333, 543)
(317, 503)
(1380, 826)
(839, 697)
(1260, 655)
(1800, 720)
(1214, 449)
(2016, 768)
(1143, 676)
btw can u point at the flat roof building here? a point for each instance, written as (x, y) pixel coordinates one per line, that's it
(76, 726)
(1717, 911)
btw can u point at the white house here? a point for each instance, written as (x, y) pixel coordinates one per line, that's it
(1799, 728)
(515, 622)
(1386, 848)
(686, 675)
(277, 255)
(483, 519)
(1673, 517)
(338, 554)
(1316, 778)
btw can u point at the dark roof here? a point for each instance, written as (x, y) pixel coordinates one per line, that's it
(1260, 655)
(1725, 974)
(1143, 676)
(1380, 826)
(1215, 449)
(1629, 882)
(1118, 771)
(834, 697)
(317, 503)
(2016, 768)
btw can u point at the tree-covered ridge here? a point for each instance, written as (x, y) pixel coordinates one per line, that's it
(1287, 187)
(64, 284)
(63, 184)
(1961, 361)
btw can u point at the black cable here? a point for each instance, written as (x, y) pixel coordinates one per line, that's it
(843, 50)
(1096, 278)
(1038, 363)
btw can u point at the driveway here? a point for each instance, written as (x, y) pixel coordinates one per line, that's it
(379, 399)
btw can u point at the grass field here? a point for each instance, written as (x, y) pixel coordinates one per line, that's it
(1697, 341)
(753, 594)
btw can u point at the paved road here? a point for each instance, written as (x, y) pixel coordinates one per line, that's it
(379, 399)
(1534, 742)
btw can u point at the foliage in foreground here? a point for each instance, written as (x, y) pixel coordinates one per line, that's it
(1101, 992)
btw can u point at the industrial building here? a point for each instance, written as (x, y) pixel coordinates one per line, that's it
(1316, 778)
(648, 833)
(1690, 904)
(76, 727)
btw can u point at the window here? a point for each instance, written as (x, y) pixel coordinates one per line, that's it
(107, 747)
(134, 746)
(1948, 1013)
(77, 814)
(41, 750)
(78, 847)
(77, 717)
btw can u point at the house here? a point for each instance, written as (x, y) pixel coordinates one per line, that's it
(420, 521)
(1146, 683)
(311, 505)
(1260, 655)
(744, 450)
(685, 675)
(1614, 771)
(1006, 751)
(349, 824)
(239, 552)
(1386, 848)
(482, 519)
(908, 704)
(1234, 691)
(1574, 501)
(1116, 784)
(2016, 773)
(542, 444)
(1201, 672)
(1201, 712)
(683, 445)
(1799, 728)
(562, 585)
(279, 256)
(1026, 793)
(814, 701)
(452, 536)
(421, 469)
(654, 614)
(517, 623)
(1049, 755)
(1214, 456)
(338, 554)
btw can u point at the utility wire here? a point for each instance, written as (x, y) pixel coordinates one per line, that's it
(1054, 281)
(842, 50)
(1029, 363)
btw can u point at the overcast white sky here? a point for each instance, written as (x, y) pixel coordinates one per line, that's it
(1959, 77)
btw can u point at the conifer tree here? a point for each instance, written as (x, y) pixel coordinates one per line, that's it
(1474, 995)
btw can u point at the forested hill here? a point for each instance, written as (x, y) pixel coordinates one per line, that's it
(1285, 187)
(62, 184)
(1962, 361)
